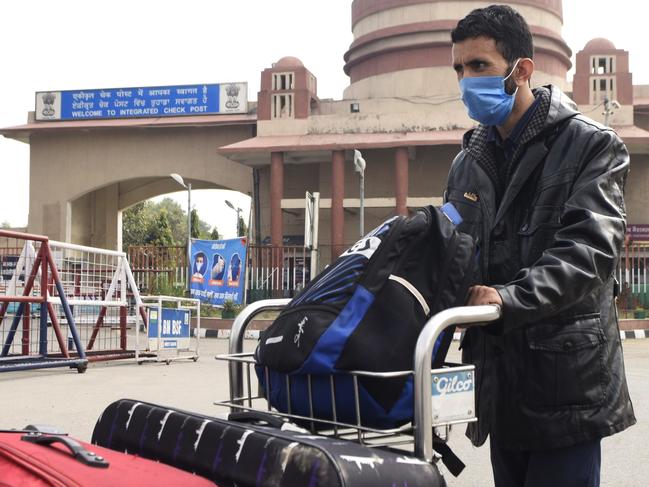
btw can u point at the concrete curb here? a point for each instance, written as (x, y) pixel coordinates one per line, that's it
(631, 334)
(225, 334)
(254, 334)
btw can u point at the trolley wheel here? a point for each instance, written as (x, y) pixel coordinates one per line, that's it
(82, 368)
(167, 361)
(140, 362)
(195, 359)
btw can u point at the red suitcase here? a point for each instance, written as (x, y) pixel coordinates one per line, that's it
(36, 459)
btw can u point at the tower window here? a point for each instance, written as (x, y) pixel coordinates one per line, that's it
(283, 81)
(602, 64)
(283, 106)
(602, 87)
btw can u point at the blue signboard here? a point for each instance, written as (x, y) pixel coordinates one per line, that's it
(218, 270)
(174, 327)
(157, 101)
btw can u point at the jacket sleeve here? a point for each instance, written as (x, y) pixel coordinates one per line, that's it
(586, 247)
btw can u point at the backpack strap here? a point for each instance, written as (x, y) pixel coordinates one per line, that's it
(449, 459)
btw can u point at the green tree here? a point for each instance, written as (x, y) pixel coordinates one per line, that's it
(242, 228)
(136, 223)
(200, 229)
(140, 223)
(177, 219)
(6, 224)
(161, 233)
(214, 234)
(196, 224)
(204, 227)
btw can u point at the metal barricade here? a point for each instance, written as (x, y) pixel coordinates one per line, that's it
(103, 296)
(37, 325)
(168, 334)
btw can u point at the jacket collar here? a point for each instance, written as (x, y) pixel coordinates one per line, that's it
(561, 108)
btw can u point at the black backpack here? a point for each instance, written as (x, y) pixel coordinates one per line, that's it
(365, 312)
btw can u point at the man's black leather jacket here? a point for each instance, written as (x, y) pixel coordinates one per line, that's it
(551, 374)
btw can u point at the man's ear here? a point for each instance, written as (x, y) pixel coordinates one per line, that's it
(523, 72)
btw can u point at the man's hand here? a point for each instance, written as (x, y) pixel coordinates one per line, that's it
(479, 295)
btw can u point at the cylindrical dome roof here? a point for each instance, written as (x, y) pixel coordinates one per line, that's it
(395, 38)
(289, 62)
(599, 44)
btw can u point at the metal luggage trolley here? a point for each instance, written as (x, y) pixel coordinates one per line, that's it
(443, 397)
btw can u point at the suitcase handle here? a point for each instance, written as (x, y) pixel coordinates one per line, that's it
(78, 451)
(255, 417)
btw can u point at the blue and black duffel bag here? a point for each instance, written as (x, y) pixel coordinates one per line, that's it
(365, 312)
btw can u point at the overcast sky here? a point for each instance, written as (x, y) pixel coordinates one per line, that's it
(66, 45)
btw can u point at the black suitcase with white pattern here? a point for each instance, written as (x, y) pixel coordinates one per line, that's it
(241, 451)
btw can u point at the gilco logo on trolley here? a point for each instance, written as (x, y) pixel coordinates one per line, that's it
(447, 384)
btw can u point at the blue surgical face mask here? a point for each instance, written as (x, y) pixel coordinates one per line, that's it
(486, 99)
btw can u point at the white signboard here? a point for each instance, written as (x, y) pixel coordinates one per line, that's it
(453, 398)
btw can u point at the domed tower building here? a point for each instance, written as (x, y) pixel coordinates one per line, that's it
(603, 88)
(602, 79)
(403, 47)
(401, 109)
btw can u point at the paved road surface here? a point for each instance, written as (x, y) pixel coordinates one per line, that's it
(73, 401)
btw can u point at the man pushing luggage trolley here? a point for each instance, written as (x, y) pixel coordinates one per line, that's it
(540, 187)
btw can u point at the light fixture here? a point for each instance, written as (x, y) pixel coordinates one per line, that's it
(238, 210)
(179, 179)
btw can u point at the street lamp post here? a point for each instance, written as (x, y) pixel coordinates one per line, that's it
(238, 210)
(359, 167)
(179, 179)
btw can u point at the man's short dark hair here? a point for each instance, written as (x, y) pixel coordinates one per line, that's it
(501, 23)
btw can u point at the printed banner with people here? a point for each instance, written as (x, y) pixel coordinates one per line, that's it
(218, 270)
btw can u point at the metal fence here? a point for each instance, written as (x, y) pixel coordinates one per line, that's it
(157, 269)
(632, 276)
(277, 271)
(272, 271)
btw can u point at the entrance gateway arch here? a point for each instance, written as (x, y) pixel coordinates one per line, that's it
(401, 109)
(83, 174)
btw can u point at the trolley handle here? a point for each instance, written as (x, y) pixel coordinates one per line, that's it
(463, 315)
(237, 332)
